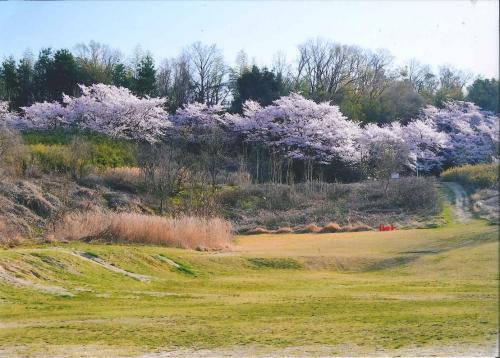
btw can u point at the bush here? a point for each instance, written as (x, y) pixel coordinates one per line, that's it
(311, 228)
(414, 194)
(184, 232)
(409, 194)
(478, 176)
(331, 227)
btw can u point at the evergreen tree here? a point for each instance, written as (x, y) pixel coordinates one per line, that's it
(63, 75)
(484, 93)
(25, 83)
(145, 82)
(10, 84)
(121, 76)
(42, 68)
(261, 86)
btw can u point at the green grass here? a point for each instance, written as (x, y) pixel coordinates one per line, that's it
(51, 149)
(392, 290)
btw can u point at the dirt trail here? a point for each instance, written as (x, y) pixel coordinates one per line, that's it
(107, 265)
(462, 203)
(18, 281)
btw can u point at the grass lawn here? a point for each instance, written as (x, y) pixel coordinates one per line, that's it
(349, 293)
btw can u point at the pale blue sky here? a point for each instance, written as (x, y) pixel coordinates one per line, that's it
(461, 33)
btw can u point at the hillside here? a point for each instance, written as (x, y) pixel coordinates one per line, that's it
(402, 292)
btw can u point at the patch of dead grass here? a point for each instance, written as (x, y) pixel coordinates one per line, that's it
(185, 232)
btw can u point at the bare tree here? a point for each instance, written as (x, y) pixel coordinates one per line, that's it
(208, 72)
(171, 171)
(325, 68)
(416, 74)
(386, 158)
(213, 152)
(174, 82)
(97, 60)
(283, 71)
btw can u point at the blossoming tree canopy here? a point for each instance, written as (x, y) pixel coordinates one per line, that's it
(44, 116)
(7, 118)
(292, 127)
(301, 129)
(115, 111)
(111, 110)
(472, 133)
(199, 115)
(425, 144)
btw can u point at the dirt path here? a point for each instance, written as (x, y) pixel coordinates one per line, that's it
(107, 265)
(18, 281)
(462, 203)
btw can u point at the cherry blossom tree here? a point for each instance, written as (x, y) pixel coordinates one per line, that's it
(425, 144)
(418, 145)
(204, 127)
(115, 111)
(7, 118)
(295, 128)
(199, 115)
(301, 129)
(111, 110)
(472, 134)
(383, 150)
(44, 116)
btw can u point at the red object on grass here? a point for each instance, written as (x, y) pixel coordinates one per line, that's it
(383, 227)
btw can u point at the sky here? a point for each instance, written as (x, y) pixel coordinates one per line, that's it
(463, 33)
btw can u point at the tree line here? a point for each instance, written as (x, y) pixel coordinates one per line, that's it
(292, 138)
(366, 85)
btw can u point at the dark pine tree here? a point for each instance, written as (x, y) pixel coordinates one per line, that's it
(25, 83)
(8, 74)
(145, 82)
(43, 66)
(261, 86)
(63, 75)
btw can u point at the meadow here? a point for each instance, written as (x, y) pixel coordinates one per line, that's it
(412, 292)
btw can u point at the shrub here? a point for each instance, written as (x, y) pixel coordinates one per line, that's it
(331, 227)
(356, 227)
(412, 193)
(184, 232)
(311, 228)
(478, 176)
(259, 230)
(284, 230)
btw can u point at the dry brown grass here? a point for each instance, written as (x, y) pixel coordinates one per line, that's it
(311, 228)
(259, 230)
(124, 174)
(284, 230)
(356, 227)
(185, 232)
(8, 236)
(331, 227)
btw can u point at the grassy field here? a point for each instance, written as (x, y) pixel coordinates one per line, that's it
(428, 291)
